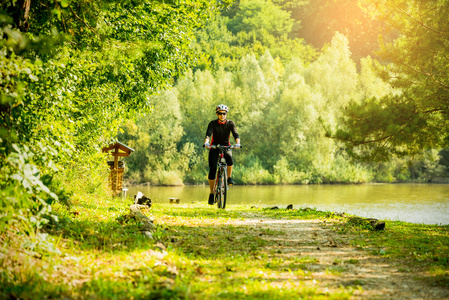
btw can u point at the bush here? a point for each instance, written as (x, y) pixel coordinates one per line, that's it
(162, 177)
(283, 175)
(25, 198)
(89, 175)
(197, 174)
(340, 170)
(252, 175)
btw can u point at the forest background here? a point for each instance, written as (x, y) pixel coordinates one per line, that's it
(322, 91)
(283, 67)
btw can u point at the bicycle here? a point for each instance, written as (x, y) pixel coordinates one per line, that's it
(221, 179)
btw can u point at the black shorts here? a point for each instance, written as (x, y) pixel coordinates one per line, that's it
(213, 159)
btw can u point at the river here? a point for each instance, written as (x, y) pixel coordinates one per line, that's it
(415, 203)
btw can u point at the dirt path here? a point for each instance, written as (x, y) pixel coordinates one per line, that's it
(335, 262)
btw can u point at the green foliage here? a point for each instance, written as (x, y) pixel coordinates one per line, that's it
(370, 84)
(416, 63)
(155, 138)
(334, 73)
(280, 110)
(25, 196)
(71, 71)
(284, 175)
(225, 40)
(426, 166)
(262, 18)
(252, 173)
(341, 170)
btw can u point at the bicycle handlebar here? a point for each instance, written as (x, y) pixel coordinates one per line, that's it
(221, 147)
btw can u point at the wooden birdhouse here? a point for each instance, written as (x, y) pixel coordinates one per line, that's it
(117, 166)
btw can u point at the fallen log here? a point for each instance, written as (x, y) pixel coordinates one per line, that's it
(142, 202)
(147, 222)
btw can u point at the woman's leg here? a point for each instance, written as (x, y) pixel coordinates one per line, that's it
(229, 171)
(230, 163)
(213, 159)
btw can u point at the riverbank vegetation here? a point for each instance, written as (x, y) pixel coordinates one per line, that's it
(199, 252)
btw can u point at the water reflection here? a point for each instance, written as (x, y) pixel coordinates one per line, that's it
(417, 203)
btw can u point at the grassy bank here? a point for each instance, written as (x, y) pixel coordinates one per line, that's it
(96, 251)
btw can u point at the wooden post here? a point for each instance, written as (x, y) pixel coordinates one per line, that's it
(115, 186)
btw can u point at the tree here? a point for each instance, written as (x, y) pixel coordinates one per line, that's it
(155, 138)
(417, 64)
(334, 73)
(70, 72)
(261, 17)
(249, 27)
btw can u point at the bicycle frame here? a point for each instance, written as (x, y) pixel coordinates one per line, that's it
(221, 179)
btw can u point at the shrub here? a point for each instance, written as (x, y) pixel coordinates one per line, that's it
(163, 177)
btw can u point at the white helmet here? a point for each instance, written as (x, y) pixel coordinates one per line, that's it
(221, 107)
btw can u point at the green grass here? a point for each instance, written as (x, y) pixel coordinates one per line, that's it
(97, 252)
(416, 246)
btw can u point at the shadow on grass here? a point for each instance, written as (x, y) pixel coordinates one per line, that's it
(120, 234)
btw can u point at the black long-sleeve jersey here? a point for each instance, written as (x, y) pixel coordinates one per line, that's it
(221, 133)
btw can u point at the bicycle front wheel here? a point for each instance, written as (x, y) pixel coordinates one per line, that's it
(224, 190)
(225, 193)
(218, 192)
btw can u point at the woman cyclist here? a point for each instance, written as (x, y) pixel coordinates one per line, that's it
(220, 131)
